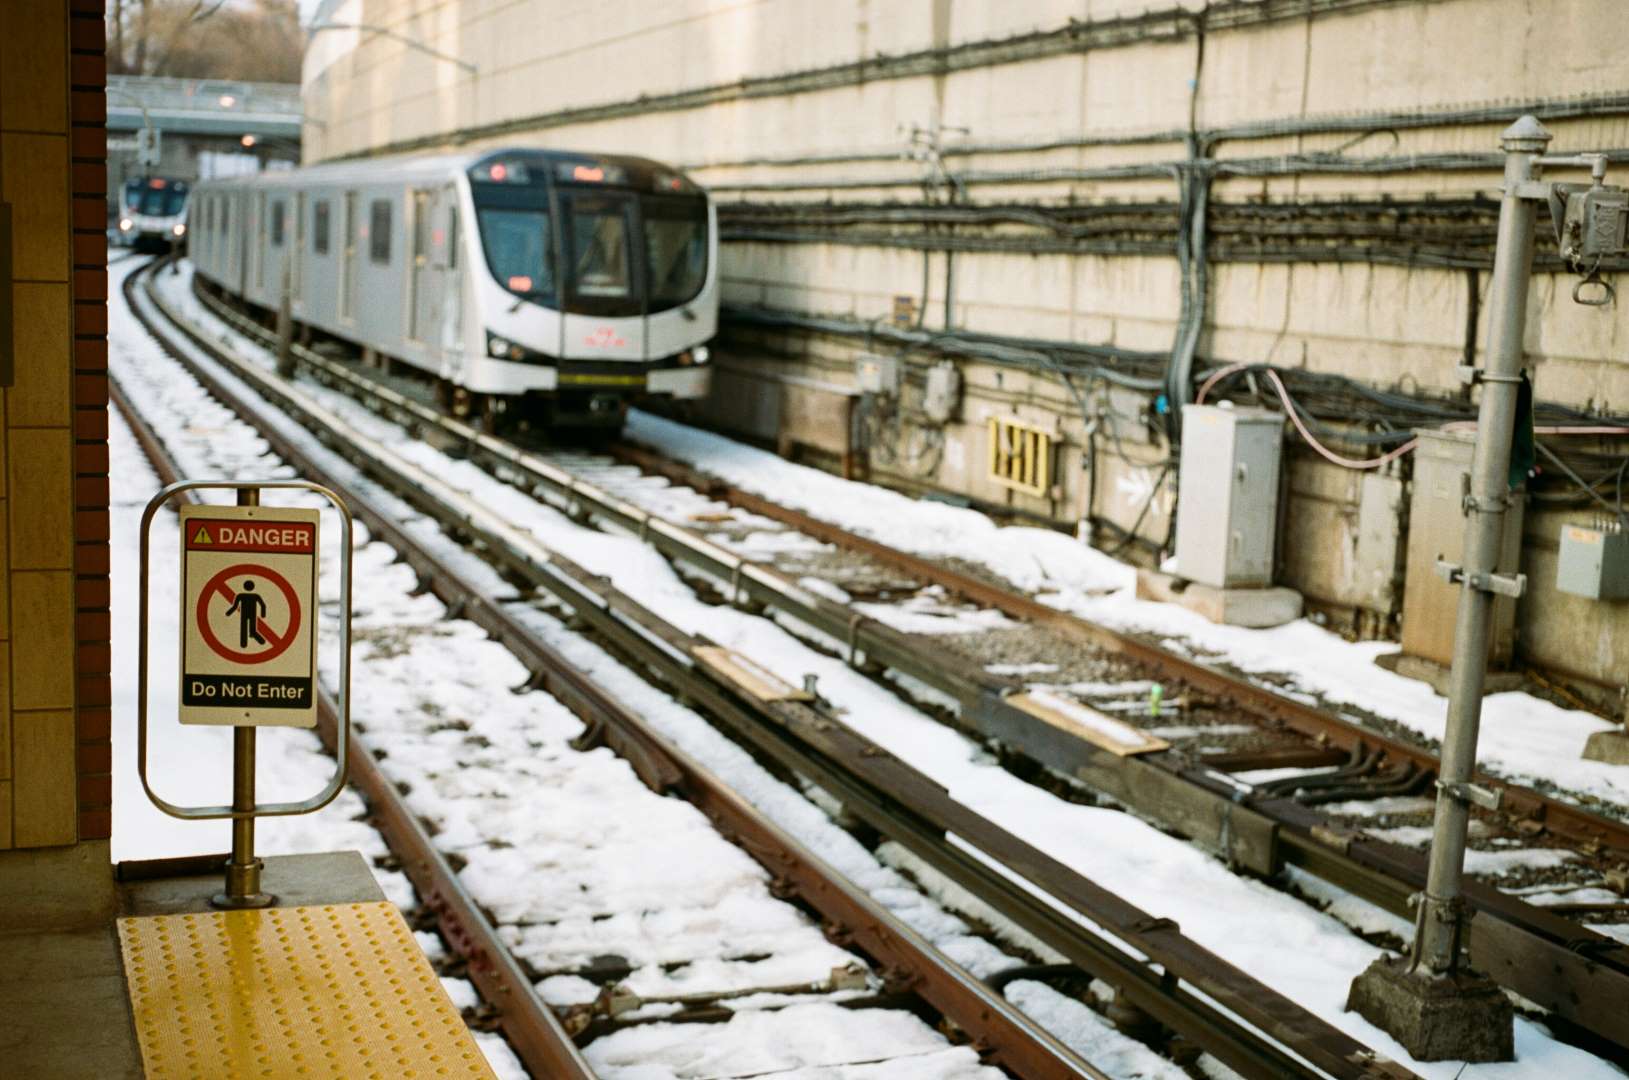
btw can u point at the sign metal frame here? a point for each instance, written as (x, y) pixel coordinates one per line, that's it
(342, 706)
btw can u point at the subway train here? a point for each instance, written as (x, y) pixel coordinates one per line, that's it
(537, 283)
(153, 212)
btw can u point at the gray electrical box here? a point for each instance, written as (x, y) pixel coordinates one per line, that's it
(875, 374)
(1594, 561)
(1227, 495)
(943, 391)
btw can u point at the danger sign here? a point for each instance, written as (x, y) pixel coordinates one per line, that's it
(248, 608)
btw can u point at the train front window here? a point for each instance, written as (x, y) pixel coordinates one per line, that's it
(161, 202)
(675, 250)
(517, 244)
(599, 250)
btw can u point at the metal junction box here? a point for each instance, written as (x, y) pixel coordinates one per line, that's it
(1594, 561)
(1436, 530)
(1227, 495)
(875, 374)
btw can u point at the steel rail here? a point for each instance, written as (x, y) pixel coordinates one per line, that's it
(1561, 965)
(1003, 1033)
(531, 1027)
(1577, 825)
(923, 819)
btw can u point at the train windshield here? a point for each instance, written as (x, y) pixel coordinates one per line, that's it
(161, 201)
(518, 248)
(599, 249)
(675, 250)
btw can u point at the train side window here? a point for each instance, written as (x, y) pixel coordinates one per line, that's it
(379, 231)
(277, 223)
(319, 227)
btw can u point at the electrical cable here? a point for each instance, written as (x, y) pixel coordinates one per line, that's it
(1616, 509)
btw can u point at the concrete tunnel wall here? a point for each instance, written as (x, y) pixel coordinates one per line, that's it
(778, 103)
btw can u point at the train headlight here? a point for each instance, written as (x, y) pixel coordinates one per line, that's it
(179, 230)
(125, 224)
(700, 355)
(503, 348)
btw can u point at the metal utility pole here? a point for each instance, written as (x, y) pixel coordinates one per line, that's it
(1431, 1000)
(1438, 938)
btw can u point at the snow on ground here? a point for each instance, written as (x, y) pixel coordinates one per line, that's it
(569, 848)
(1523, 738)
(1307, 955)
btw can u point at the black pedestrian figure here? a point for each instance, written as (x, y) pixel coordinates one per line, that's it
(249, 608)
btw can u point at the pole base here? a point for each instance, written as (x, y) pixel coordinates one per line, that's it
(1461, 1017)
(243, 887)
(1611, 747)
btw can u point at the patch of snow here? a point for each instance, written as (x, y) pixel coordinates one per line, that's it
(803, 1042)
(1523, 739)
(1089, 1035)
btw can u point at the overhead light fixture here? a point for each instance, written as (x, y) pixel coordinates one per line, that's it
(247, 140)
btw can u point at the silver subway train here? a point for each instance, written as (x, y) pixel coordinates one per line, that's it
(539, 282)
(153, 212)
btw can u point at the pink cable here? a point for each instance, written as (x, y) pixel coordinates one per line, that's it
(1324, 451)
(1204, 388)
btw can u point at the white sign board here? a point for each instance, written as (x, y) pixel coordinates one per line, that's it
(248, 615)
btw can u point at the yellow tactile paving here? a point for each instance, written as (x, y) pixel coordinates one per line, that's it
(337, 990)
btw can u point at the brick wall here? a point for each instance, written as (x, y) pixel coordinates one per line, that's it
(55, 754)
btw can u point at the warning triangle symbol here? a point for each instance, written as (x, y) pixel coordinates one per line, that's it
(202, 536)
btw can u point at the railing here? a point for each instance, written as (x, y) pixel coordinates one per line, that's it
(203, 95)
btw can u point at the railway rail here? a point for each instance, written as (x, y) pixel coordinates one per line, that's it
(530, 1026)
(1160, 970)
(1578, 974)
(1003, 1034)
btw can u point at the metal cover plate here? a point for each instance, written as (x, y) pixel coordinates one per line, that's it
(749, 675)
(1067, 714)
(337, 990)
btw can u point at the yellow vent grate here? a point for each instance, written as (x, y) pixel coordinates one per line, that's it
(1020, 456)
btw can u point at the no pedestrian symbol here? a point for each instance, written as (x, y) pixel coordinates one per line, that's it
(248, 607)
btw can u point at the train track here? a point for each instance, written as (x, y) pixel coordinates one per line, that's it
(529, 1025)
(1168, 975)
(1578, 974)
(909, 965)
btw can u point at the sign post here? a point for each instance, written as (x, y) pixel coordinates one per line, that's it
(248, 627)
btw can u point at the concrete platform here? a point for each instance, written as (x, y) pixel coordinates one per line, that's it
(201, 992)
(1257, 608)
(63, 1009)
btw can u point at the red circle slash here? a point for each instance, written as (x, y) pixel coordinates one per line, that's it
(279, 644)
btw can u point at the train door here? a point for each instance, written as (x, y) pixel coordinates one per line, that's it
(246, 231)
(296, 255)
(452, 280)
(347, 262)
(260, 241)
(604, 307)
(420, 276)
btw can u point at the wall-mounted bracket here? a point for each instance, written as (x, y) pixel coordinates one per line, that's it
(1474, 794)
(1511, 585)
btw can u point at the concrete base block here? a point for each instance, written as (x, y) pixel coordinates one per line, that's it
(1465, 1017)
(1435, 675)
(1611, 747)
(1259, 608)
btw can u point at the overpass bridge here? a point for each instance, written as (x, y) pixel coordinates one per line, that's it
(222, 108)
